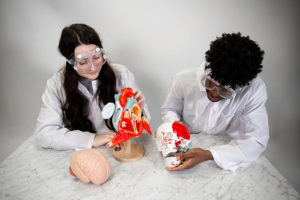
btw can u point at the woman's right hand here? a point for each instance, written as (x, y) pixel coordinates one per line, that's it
(103, 138)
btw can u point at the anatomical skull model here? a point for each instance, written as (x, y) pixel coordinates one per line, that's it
(172, 138)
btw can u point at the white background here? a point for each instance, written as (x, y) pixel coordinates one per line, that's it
(154, 39)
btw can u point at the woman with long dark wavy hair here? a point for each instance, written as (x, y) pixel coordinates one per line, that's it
(71, 116)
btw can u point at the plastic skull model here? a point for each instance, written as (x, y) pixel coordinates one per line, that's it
(172, 138)
(126, 117)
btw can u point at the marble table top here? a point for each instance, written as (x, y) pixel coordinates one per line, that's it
(33, 173)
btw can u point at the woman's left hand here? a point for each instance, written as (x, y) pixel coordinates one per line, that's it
(140, 98)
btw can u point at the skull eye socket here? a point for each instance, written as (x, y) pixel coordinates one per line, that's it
(183, 142)
(169, 136)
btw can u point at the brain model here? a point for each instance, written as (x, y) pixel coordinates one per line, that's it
(90, 165)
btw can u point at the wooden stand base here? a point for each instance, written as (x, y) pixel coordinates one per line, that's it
(129, 153)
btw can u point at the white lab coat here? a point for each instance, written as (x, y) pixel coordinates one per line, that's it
(243, 117)
(50, 131)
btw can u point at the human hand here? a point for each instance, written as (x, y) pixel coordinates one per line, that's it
(103, 138)
(139, 97)
(191, 158)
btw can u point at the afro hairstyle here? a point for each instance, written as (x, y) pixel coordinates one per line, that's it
(234, 60)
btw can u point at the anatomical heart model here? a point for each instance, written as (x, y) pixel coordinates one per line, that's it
(128, 121)
(172, 138)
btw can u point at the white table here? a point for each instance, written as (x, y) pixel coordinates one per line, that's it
(35, 173)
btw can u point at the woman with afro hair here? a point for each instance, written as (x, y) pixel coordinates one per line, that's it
(223, 96)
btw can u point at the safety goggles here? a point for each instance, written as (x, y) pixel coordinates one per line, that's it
(223, 91)
(83, 63)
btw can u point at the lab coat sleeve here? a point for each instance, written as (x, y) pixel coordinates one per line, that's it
(253, 135)
(128, 80)
(173, 105)
(50, 131)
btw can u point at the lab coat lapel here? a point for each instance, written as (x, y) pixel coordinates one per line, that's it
(85, 91)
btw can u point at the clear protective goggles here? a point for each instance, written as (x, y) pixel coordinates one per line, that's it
(83, 63)
(223, 91)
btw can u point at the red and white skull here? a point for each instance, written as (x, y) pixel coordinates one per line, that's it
(172, 138)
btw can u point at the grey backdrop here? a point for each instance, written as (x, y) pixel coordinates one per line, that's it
(154, 39)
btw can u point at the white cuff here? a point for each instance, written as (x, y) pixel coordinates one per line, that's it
(89, 145)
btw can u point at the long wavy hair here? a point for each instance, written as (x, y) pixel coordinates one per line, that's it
(76, 108)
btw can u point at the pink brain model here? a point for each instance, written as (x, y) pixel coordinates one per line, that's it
(90, 165)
